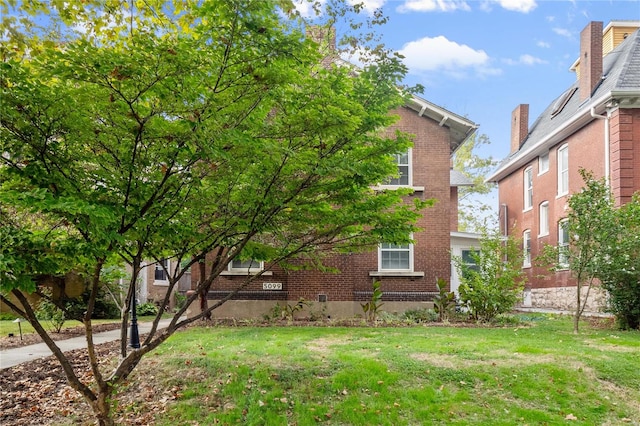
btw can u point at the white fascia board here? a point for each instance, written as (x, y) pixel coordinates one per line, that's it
(567, 129)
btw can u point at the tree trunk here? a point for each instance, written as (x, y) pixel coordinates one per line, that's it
(203, 293)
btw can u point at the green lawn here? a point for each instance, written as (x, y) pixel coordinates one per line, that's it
(534, 374)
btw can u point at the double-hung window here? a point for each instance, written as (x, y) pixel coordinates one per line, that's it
(563, 244)
(395, 257)
(528, 188)
(247, 266)
(526, 248)
(161, 269)
(543, 225)
(404, 170)
(563, 170)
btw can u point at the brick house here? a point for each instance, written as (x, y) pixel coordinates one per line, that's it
(595, 125)
(408, 273)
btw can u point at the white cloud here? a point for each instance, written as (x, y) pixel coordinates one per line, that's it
(305, 9)
(562, 32)
(522, 6)
(369, 5)
(525, 59)
(439, 54)
(433, 6)
(543, 44)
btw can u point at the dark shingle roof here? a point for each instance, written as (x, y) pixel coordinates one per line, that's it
(621, 72)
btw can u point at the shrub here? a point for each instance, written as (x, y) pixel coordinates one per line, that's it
(494, 283)
(146, 309)
(48, 311)
(372, 307)
(421, 315)
(444, 304)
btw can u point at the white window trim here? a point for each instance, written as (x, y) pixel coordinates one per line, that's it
(526, 248)
(527, 201)
(543, 231)
(542, 171)
(410, 175)
(411, 252)
(161, 282)
(560, 228)
(245, 271)
(562, 191)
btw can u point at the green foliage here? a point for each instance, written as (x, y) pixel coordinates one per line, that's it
(372, 307)
(7, 316)
(444, 303)
(494, 284)
(146, 309)
(619, 269)
(174, 129)
(180, 299)
(287, 311)
(604, 245)
(49, 311)
(421, 315)
(472, 206)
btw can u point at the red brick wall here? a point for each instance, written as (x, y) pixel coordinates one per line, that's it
(625, 154)
(431, 165)
(586, 150)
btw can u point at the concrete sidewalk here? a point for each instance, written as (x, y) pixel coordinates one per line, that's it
(15, 356)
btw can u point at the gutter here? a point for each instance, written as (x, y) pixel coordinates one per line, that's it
(579, 120)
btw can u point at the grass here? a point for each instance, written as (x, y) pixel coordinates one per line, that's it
(539, 373)
(8, 326)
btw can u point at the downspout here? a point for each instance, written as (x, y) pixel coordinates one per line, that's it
(607, 142)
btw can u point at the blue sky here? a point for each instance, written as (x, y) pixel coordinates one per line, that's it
(482, 58)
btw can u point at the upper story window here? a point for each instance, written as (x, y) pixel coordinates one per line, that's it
(526, 248)
(395, 257)
(528, 188)
(563, 170)
(563, 244)
(404, 170)
(543, 225)
(247, 266)
(543, 163)
(161, 270)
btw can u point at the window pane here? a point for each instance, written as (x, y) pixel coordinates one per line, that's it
(544, 218)
(403, 170)
(160, 274)
(395, 259)
(245, 264)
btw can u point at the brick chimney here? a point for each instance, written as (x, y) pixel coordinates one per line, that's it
(590, 59)
(519, 126)
(325, 37)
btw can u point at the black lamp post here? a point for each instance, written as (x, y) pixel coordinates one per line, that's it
(135, 337)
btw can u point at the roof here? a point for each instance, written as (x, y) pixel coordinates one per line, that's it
(620, 87)
(460, 128)
(457, 178)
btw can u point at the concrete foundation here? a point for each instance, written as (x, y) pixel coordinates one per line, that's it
(257, 309)
(564, 298)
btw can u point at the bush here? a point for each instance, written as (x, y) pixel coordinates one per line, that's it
(48, 311)
(493, 284)
(7, 316)
(146, 309)
(421, 315)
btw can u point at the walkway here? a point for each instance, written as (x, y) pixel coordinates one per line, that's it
(15, 356)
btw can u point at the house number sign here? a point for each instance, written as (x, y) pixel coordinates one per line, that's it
(272, 286)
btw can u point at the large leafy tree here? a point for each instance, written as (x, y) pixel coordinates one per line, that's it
(619, 269)
(188, 129)
(592, 227)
